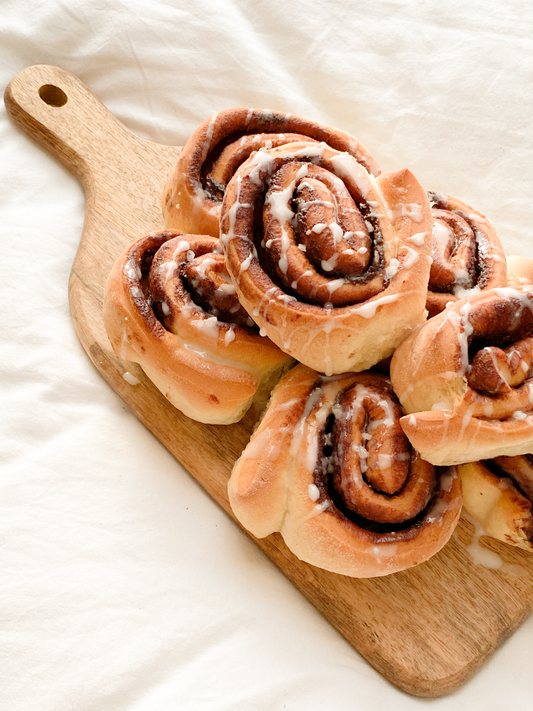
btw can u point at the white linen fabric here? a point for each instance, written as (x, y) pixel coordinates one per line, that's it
(122, 585)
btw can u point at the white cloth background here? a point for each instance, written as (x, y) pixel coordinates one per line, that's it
(122, 585)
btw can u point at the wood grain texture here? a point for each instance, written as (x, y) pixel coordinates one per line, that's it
(427, 629)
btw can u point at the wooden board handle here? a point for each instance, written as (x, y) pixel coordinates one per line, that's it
(62, 114)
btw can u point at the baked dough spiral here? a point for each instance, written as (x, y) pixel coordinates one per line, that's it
(467, 253)
(331, 263)
(170, 307)
(498, 493)
(330, 469)
(193, 193)
(466, 377)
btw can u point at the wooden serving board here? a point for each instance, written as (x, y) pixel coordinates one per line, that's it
(426, 629)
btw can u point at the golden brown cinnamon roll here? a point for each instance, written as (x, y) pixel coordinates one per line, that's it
(330, 262)
(498, 493)
(466, 377)
(467, 253)
(193, 193)
(330, 469)
(169, 305)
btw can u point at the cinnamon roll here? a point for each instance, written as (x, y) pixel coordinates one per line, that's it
(330, 469)
(331, 263)
(498, 494)
(466, 379)
(169, 305)
(467, 253)
(193, 193)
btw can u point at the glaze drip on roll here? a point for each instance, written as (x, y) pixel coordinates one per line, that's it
(190, 276)
(330, 468)
(195, 189)
(467, 253)
(466, 376)
(170, 306)
(374, 470)
(323, 255)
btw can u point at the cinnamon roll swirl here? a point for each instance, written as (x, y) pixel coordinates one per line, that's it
(193, 193)
(169, 305)
(498, 494)
(330, 469)
(466, 377)
(467, 253)
(331, 263)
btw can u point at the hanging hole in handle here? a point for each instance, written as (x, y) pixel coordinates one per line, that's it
(53, 95)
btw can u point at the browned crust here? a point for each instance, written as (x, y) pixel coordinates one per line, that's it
(451, 422)
(185, 204)
(491, 261)
(200, 375)
(445, 438)
(339, 339)
(269, 491)
(429, 367)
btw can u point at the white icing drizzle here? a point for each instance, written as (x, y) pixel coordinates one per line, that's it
(131, 379)
(279, 201)
(418, 238)
(230, 336)
(466, 421)
(262, 162)
(440, 406)
(477, 218)
(330, 264)
(386, 460)
(213, 358)
(412, 210)
(410, 258)
(369, 309)
(209, 325)
(314, 492)
(226, 289)
(392, 269)
(132, 270)
(385, 550)
(204, 265)
(345, 166)
(479, 555)
(335, 284)
(462, 293)
(232, 212)
(265, 445)
(169, 268)
(245, 264)
(318, 509)
(488, 409)
(463, 335)
(311, 401)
